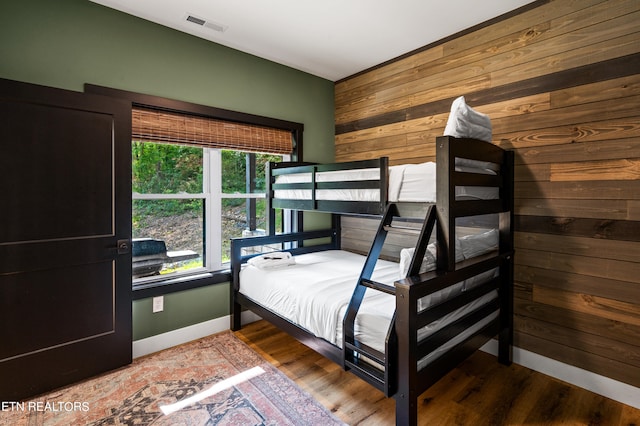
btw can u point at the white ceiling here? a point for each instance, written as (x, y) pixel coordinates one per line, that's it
(332, 39)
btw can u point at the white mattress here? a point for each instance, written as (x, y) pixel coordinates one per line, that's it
(407, 183)
(315, 292)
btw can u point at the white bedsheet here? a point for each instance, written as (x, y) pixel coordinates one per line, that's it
(407, 183)
(315, 293)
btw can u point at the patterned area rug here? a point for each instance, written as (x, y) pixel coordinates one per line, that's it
(217, 380)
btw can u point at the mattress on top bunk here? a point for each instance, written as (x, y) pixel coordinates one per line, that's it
(314, 292)
(407, 183)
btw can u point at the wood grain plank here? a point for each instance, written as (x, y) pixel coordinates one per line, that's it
(531, 173)
(587, 190)
(584, 322)
(401, 149)
(556, 396)
(617, 88)
(397, 155)
(615, 310)
(353, 87)
(581, 265)
(599, 365)
(633, 210)
(352, 149)
(596, 344)
(565, 54)
(529, 142)
(528, 276)
(611, 109)
(569, 11)
(417, 125)
(622, 169)
(624, 230)
(613, 209)
(522, 290)
(516, 107)
(579, 246)
(582, 149)
(487, 397)
(628, 416)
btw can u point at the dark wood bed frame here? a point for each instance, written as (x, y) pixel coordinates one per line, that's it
(400, 377)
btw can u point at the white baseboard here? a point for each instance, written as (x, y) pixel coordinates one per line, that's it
(593, 382)
(186, 334)
(613, 389)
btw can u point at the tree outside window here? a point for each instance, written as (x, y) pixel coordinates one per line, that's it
(177, 191)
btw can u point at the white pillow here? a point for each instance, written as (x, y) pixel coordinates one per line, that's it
(406, 254)
(475, 166)
(465, 122)
(429, 260)
(475, 245)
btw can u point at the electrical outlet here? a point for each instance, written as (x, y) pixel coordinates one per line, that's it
(158, 304)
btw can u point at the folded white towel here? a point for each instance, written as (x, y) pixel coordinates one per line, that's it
(465, 122)
(278, 259)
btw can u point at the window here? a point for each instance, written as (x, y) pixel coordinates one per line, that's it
(193, 176)
(158, 120)
(191, 201)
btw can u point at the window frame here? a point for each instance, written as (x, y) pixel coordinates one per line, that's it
(185, 282)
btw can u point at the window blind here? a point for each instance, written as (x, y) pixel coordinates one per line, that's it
(167, 127)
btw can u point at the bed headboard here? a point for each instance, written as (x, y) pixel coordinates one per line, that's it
(449, 209)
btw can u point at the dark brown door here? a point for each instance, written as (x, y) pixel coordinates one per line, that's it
(65, 263)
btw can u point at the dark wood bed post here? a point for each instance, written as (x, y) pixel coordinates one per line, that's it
(506, 226)
(407, 392)
(235, 308)
(445, 198)
(271, 213)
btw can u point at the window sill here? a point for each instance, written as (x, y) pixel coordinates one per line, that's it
(175, 284)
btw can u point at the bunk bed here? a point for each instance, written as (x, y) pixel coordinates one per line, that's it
(399, 318)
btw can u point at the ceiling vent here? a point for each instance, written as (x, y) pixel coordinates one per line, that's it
(204, 23)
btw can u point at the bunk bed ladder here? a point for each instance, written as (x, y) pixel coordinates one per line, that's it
(353, 350)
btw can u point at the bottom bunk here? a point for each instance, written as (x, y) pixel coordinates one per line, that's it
(400, 333)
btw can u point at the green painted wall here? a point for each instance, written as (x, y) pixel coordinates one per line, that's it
(67, 43)
(181, 309)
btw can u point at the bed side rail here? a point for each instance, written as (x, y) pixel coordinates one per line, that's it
(297, 246)
(297, 238)
(412, 378)
(313, 185)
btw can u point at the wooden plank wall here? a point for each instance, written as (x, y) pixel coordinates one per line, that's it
(561, 82)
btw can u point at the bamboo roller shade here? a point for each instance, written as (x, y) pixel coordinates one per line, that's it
(168, 127)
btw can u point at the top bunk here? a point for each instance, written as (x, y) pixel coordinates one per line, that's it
(468, 176)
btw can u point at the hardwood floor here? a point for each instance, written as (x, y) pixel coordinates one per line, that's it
(479, 392)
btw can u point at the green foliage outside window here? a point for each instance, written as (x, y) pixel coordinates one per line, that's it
(166, 168)
(170, 169)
